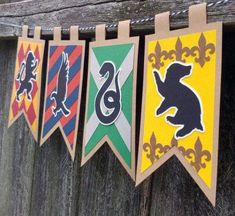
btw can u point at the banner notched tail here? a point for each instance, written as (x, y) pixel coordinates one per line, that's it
(110, 108)
(63, 88)
(181, 99)
(26, 87)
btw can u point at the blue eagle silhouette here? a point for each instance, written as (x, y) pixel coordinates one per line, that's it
(60, 95)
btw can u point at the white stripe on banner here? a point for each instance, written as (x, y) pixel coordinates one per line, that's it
(93, 121)
(121, 123)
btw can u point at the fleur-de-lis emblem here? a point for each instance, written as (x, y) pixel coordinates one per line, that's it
(202, 49)
(200, 53)
(157, 56)
(196, 155)
(155, 149)
(179, 52)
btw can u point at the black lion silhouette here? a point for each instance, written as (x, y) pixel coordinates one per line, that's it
(179, 95)
(26, 74)
(60, 95)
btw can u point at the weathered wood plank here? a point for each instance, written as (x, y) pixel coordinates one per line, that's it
(44, 182)
(16, 144)
(91, 12)
(6, 141)
(9, 1)
(56, 179)
(112, 192)
(102, 187)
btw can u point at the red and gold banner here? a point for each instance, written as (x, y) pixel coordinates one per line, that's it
(181, 97)
(26, 88)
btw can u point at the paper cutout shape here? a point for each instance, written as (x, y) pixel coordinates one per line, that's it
(63, 91)
(180, 106)
(110, 111)
(27, 81)
(181, 96)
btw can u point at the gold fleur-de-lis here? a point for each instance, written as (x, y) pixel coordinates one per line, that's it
(151, 146)
(202, 49)
(155, 149)
(156, 57)
(198, 156)
(179, 52)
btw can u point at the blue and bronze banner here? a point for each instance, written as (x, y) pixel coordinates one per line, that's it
(63, 88)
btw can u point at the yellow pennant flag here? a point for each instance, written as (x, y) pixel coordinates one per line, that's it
(181, 95)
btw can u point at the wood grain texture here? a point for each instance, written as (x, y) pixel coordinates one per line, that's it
(17, 152)
(43, 181)
(91, 12)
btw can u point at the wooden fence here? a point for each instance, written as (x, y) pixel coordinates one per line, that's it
(44, 182)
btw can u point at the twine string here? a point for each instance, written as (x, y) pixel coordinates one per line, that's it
(114, 25)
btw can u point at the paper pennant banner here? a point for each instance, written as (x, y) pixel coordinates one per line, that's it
(181, 98)
(63, 88)
(110, 111)
(26, 88)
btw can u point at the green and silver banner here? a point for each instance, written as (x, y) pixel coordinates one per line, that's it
(110, 112)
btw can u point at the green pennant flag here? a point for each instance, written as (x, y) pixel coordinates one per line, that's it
(110, 115)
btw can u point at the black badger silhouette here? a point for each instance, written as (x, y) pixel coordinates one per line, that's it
(60, 95)
(177, 94)
(26, 74)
